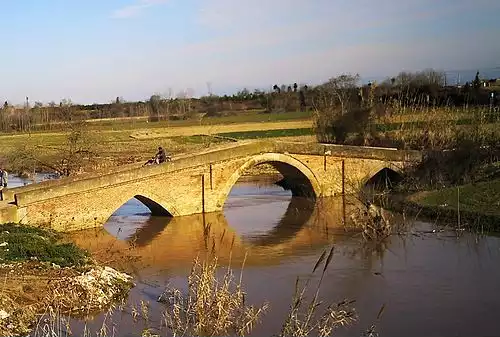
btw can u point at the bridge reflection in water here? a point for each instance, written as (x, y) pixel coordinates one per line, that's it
(427, 276)
(144, 242)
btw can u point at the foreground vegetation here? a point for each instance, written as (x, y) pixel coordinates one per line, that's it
(22, 243)
(212, 303)
(42, 273)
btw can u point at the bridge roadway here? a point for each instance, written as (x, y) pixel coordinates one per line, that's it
(197, 183)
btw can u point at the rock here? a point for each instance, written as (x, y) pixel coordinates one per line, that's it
(102, 285)
(4, 244)
(4, 314)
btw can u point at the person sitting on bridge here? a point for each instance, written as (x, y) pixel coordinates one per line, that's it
(4, 178)
(161, 156)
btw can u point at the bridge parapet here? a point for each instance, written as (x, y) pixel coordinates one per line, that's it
(105, 178)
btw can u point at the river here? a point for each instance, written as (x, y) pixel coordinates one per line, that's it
(431, 283)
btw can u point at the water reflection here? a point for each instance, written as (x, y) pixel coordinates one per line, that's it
(433, 283)
(174, 242)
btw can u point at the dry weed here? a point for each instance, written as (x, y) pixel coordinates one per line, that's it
(213, 306)
(303, 320)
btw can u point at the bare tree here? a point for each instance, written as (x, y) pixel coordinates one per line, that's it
(77, 154)
(342, 89)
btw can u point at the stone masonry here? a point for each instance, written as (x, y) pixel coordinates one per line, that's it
(196, 183)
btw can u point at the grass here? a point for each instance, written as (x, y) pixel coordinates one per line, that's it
(235, 117)
(268, 133)
(311, 316)
(42, 275)
(23, 243)
(482, 198)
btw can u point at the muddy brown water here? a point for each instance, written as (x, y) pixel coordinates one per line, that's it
(432, 284)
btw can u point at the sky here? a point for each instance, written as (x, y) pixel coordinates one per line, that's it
(96, 50)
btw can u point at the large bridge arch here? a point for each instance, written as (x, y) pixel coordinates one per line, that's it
(303, 180)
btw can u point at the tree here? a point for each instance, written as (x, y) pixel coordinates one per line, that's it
(477, 82)
(342, 89)
(302, 100)
(155, 105)
(75, 155)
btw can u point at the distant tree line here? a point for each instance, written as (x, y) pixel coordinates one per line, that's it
(424, 87)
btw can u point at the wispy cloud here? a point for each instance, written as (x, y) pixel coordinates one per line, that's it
(135, 9)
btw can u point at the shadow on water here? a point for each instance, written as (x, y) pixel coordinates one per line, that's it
(296, 216)
(151, 229)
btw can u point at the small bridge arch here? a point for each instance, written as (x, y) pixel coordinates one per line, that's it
(158, 205)
(384, 175)
(303, 181)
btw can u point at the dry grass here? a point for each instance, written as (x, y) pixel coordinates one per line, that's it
(53, 297)
(409, 124)
(305, 317)
(212, 306)
(375, 226)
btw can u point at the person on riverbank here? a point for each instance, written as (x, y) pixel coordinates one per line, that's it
(4, 178)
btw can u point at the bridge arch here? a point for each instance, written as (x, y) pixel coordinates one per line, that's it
(385, 175)
(300, 179)
(158, 205)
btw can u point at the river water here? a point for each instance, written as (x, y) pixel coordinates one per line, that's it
(432, 283)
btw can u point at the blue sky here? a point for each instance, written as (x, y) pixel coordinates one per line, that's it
(96, 50)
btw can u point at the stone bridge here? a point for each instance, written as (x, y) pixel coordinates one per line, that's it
(197, 183)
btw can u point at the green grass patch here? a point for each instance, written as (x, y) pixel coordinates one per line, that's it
(24, 243)
(483, 198)
(268, 133)
(197, 139)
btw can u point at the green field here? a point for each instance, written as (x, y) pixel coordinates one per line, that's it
(268, 133)
(482, 198)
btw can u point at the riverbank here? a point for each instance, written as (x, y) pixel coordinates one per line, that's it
(474, 207)
(42, 273)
